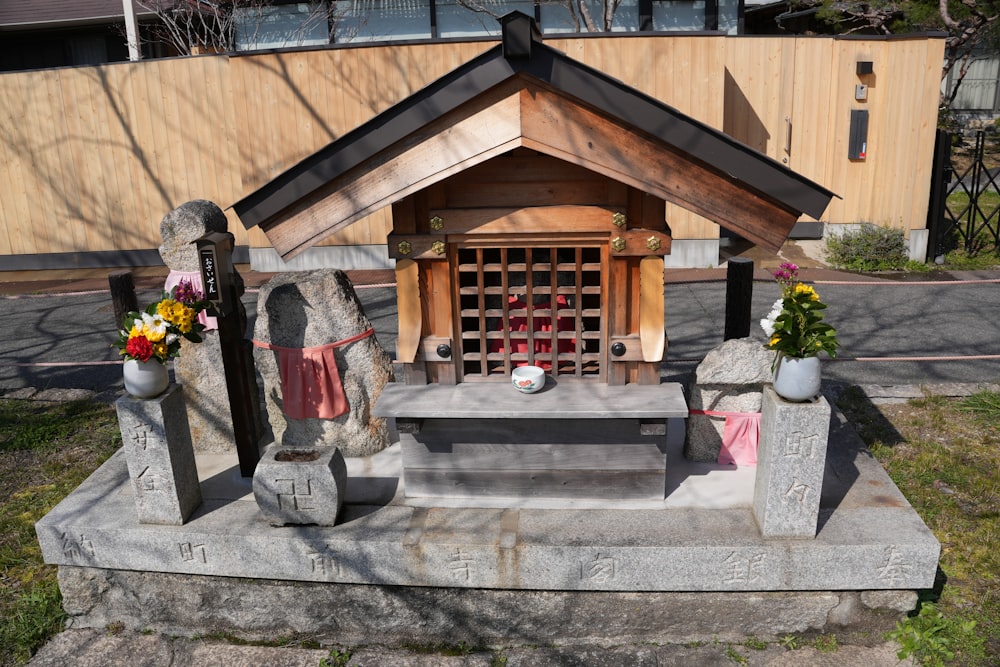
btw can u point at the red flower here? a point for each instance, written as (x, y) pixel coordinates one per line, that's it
(139, 347)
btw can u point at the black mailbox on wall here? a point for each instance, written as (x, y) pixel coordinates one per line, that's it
(857, 145)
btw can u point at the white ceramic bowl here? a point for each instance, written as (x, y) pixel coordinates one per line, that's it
(528, 379)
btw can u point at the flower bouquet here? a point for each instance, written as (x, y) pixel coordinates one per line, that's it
(797, 333)
(155, 335)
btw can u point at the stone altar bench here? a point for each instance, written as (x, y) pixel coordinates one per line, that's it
(569, 440)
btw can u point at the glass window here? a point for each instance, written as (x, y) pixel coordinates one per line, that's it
(564, 17)
(457, 19)
(280, 26)
(678, 15)
(381, 20)
(729, 16)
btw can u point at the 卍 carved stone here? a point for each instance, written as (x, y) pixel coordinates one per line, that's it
(300, 486)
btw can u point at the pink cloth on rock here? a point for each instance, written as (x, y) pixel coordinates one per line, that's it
(740, 436)
(193, 277)
(310, 381)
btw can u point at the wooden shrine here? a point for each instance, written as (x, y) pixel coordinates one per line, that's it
(528, 201)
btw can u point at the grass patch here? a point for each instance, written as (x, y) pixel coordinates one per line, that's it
(337, 658)
(46, 451)
(944, 455)
(958, 204)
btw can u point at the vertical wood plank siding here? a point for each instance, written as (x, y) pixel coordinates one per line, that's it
(91, 158)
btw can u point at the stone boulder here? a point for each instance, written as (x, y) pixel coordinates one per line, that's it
(730, 378)
(309, 309)
(187, 223)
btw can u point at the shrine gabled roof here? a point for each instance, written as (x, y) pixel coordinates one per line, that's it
(521, 60)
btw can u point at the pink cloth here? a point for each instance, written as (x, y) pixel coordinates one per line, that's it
(540, 324)
(740, 436)
(193, 277)
(310, 381)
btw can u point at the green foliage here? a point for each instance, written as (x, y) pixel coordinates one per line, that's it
(27, 425)
(35, 615)
(337, 658)
(930, 636)
(790, 642)
(915, 266)
(736, 656)
(795, 326)
(46, 450)
(755, 644)
(826, 644)
(982, 256)
(984, 405)
(943, 455)
(869, 248)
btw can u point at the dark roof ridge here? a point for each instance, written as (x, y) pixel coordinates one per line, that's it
(522, 52)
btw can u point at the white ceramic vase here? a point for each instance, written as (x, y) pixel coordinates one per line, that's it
(145, 379)
(797, 379)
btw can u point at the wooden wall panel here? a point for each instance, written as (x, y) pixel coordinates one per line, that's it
(92, 158)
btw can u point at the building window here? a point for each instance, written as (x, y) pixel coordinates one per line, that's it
(281, 26)
(678, 15)
(349, 21)
(461, 19)
(729, 16)
(566, 18)
(381, 20)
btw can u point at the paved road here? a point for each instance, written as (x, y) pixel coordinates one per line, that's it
(890, 332)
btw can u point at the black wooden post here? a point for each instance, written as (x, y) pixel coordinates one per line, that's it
(940, 182)
(739, 297)
(122, 294)
(223, 288)
(244, 403)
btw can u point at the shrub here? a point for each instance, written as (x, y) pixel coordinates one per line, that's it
(869, 248)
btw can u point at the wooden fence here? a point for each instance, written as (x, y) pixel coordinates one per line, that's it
(91, 158)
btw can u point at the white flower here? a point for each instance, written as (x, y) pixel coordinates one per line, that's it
(767, 324)
(172, 338)
(155, 325)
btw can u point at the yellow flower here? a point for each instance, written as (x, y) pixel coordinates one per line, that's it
(775, 339)
(160, 350)
(807, 290)
(165, 309)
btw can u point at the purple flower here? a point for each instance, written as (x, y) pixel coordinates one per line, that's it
(187, 294)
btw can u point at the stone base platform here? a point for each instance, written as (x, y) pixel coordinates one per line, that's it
(700, 548)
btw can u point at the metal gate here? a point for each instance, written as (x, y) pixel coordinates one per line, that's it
(965, 206)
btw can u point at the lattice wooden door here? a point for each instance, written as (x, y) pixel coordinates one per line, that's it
(539, 304)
